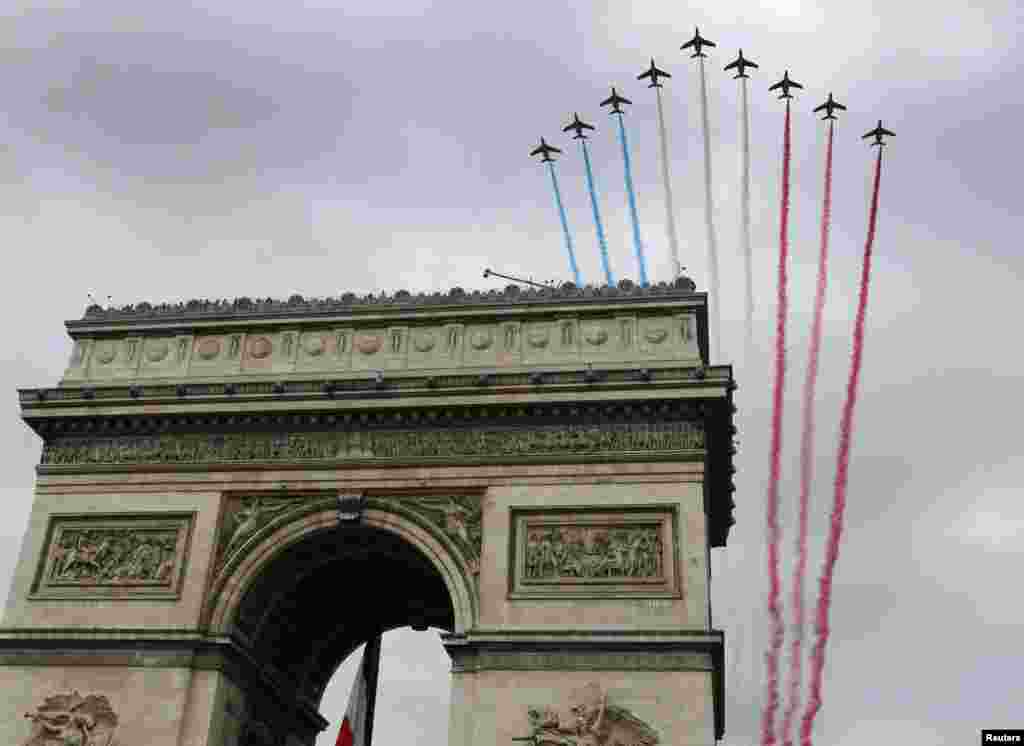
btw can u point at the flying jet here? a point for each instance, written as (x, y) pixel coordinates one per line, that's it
(785, 84)
(545, 152)
(828, 107)
(654, 73)
(577, 125)
(697, 42)
(741, 63)
(878, 133)
(615, 100)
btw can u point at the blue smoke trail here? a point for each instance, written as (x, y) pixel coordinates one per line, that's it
(565, 227)
(632, 205)
(597, 217)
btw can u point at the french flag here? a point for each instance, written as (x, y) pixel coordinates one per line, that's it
(357, 726)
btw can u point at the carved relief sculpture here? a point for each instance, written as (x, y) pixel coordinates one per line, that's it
(554, 553)
(73, 720)
(95, 556)
(588, 720)
(380, 444)
(245, 516)
(460, 517)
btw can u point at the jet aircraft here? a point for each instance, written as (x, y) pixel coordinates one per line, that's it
(828, 107)
(785, 84)
(741, 63)
(878, 133)
(615, 100)
(654, 73)
(545, 152)
(577, 125)
(697, 42)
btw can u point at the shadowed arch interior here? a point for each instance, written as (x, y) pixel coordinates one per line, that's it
(326, 595)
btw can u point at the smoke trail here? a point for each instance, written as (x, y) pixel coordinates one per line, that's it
(565, 226)
(597, 216)
(807, 456)
(670, 217)
(632, 204)
(774, 608)
(745, 226)
(709, 217)
(843, 462)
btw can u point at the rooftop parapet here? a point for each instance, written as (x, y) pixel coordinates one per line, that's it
(512, 330)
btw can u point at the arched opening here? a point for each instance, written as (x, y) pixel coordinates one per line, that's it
(313, 603)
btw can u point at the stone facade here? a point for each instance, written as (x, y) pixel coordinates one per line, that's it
(540, 475)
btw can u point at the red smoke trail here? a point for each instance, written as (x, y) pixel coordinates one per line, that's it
(807, 457)
(774, 609)
(843, 461)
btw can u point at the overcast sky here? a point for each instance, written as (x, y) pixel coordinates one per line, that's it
(166, 151)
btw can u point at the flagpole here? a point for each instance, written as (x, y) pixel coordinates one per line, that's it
(372, 658)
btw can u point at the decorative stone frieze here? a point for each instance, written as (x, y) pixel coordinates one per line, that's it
(398, 445)
(563, 552)
(113, 556)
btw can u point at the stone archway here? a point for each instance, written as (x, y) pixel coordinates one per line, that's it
(305, 520)
(306, 590)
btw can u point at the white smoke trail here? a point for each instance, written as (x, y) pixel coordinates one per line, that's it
(745, 228)
(670, 212)
(716, 314)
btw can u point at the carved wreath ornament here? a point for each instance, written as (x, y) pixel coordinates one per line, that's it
(588, 720)
(73, 720)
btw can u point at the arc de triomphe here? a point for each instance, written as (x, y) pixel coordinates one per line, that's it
(234, 496)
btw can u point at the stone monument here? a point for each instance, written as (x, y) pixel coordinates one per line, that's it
(234, 496)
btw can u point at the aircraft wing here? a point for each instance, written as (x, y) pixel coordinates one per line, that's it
(688, 44)
(624, 100)
(731, 65)
(795, 85)
(838, 106)
(823, 107)
(648, 74)
(707, 43)
(883, 131)
(777, 85)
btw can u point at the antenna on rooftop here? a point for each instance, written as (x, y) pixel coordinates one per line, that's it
(488, 273)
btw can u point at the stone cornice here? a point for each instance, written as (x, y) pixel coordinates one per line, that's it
(42, 401)
(350, 304)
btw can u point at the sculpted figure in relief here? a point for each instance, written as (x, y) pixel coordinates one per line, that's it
(588, 721)
(592, 552)
(86, 557)
(253, 513)
(73, 720)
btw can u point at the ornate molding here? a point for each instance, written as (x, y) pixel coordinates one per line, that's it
(531, 660)
(113, 557)
(297, 304)
(643, 439)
